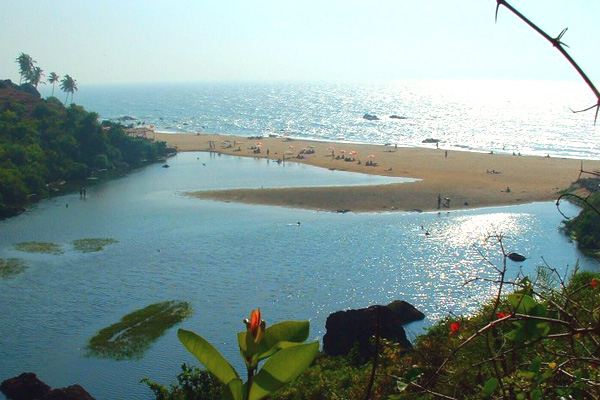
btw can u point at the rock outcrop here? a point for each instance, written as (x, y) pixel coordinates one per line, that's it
(28, 387)
(345, 329)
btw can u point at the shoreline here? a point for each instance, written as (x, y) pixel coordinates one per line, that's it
(467, 179)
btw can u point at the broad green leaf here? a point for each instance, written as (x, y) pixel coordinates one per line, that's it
(522, 303)
(234, 390)
(401, 386)
(248, 349)
(208, 355)
(490, 387)
(281, 368)
(281, 335)
(286, 331)
(536, 364)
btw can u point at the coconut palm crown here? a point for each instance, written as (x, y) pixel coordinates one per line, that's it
(53, 78)
(68, 85)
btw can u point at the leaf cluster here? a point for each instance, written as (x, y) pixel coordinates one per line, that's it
(585, 227)
(45, 144)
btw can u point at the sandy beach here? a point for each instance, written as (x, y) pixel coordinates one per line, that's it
(458, 179)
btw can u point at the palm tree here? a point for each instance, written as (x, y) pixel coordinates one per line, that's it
(25, 66)
(53, 78)
(36, 76)
(68, 85)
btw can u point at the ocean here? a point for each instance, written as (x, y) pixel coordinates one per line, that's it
(226, 258)
(531, 118)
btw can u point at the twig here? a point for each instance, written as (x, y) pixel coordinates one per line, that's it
(560, 46)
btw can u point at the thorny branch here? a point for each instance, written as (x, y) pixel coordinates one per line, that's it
(560, 46)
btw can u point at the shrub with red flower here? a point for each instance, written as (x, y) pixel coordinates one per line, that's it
(454, 327)
(594, 283)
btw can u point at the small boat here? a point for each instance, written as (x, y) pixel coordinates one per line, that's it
(516, 257)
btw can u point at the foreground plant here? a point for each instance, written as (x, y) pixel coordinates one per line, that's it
(281, 345)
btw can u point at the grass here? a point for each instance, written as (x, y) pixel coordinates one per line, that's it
(11, 267)
(129, 338)
(90, 245)
(39, 247)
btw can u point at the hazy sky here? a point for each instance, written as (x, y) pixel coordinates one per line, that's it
(114, 41)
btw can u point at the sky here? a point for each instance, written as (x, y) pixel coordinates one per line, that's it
(135, 41)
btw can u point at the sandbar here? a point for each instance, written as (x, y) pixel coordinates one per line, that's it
(447, 179)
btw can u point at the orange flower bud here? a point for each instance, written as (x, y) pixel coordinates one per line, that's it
(255, 325)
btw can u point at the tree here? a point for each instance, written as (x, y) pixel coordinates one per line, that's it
(68, 85)
(36, 76)
(25, 66)
(52, 79)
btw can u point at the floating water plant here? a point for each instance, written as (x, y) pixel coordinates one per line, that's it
(135, 333)
(11, 267)
(90, 245)
(39, 247)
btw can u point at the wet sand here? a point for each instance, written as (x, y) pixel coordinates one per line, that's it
(467, 179)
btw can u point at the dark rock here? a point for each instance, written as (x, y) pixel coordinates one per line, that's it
(24, 387)
(28, 387)
(347, 328)
(397, 117)
(406, 312)
(430, 140)
(516, 257)
(371, 117)
(73, 392)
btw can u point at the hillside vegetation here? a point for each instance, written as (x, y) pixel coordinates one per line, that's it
(43, 144)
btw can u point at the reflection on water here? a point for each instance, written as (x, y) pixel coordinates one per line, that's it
(226, 259)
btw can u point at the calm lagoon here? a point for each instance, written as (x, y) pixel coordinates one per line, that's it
(227, 258)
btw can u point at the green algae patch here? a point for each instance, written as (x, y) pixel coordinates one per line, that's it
(91, 245)
(39, 247)
(11, 267)
(129, 338)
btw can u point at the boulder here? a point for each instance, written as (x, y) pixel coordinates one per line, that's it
(28, 387)
(371, 117)
(516, 257)
(73, 392)
(406, 312)
(24, 387)
(347, 328)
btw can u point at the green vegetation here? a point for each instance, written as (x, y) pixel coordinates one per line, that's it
(92, 244)
(39, 247)
(133, 335)
(585, 227)
(539, 342)
(11, 267)
(192, 384)
(43, 143)
(280, 348)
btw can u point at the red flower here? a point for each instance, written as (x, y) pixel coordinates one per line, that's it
(502, 314)
(454, 327)
(254, 321)
(594, 283)
(255, 325)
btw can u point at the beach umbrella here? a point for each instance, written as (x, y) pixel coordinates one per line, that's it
(371, 156)
(354, 152)
(342, 151)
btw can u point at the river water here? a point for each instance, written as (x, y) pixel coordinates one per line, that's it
(227, 258)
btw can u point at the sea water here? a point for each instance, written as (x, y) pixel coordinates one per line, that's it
(531, 118)
(227, 258)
